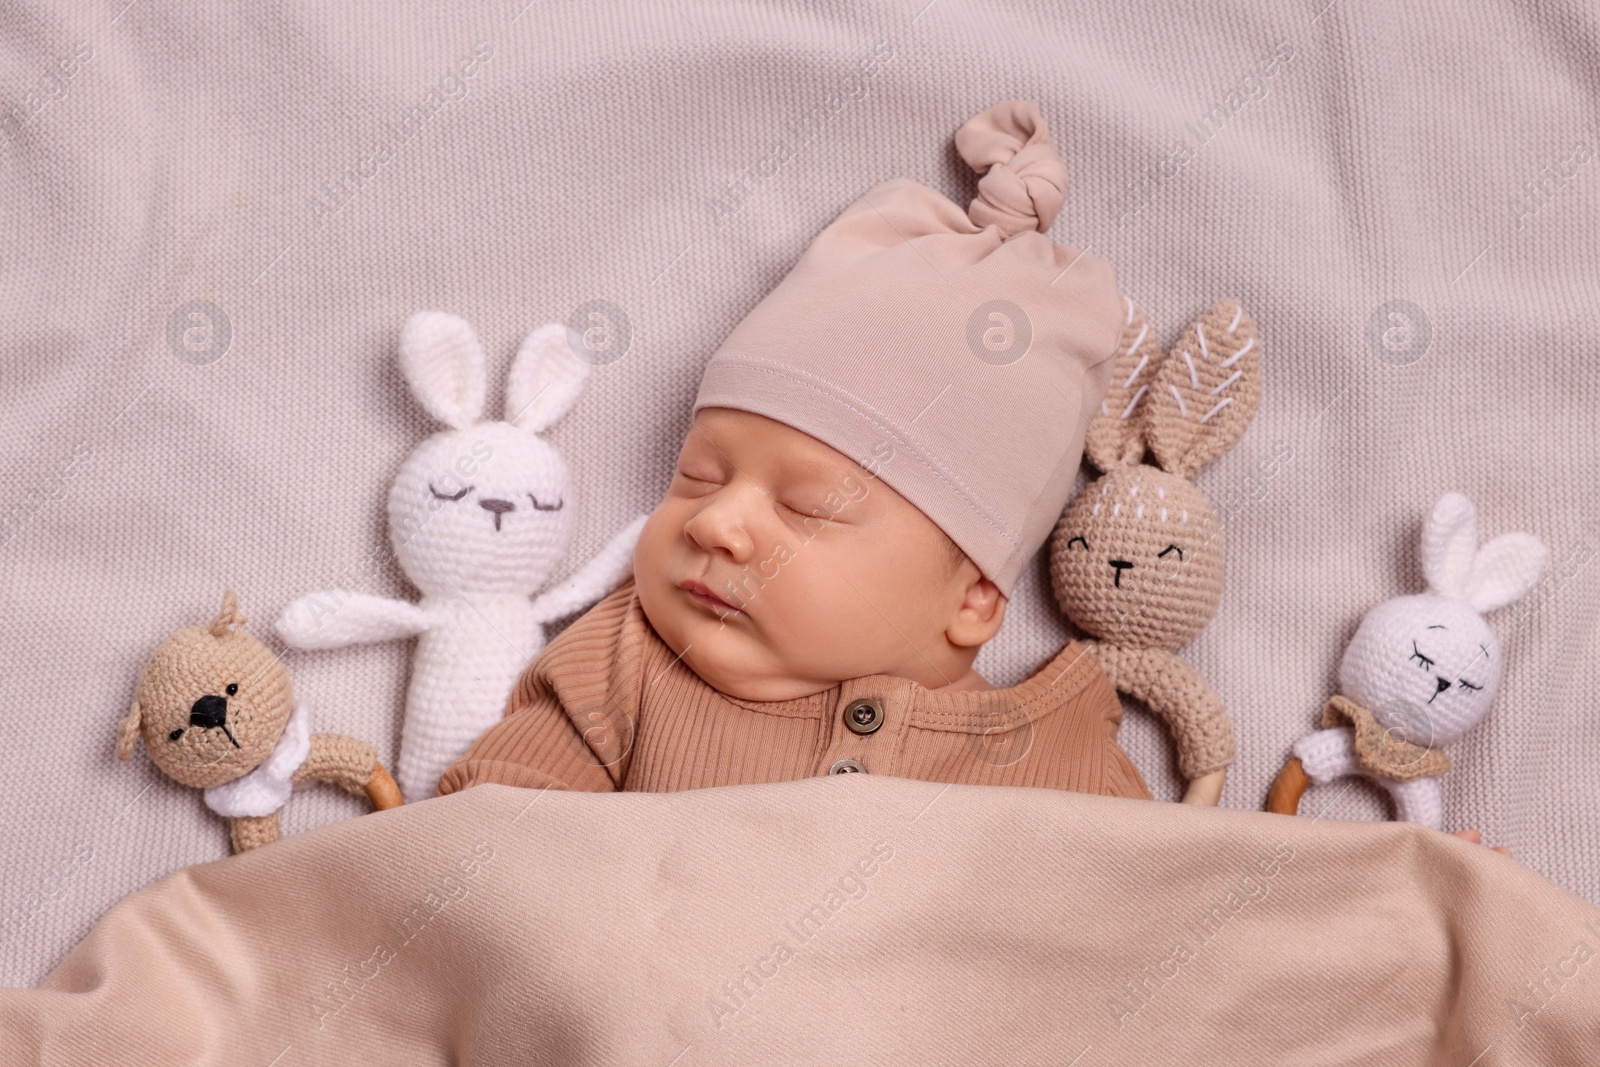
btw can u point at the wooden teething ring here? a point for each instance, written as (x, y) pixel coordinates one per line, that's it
(1205, 790)
(382, 789)
(1284, 796)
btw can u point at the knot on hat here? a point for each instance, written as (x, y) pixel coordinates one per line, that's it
(1024, 182)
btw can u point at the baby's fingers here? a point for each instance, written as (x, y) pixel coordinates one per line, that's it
(1470, 834)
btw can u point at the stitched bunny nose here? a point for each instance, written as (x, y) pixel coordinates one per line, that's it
(1442, 684)
(499, 507)
(1120, 565)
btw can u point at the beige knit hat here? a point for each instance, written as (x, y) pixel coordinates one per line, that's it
(964, 350)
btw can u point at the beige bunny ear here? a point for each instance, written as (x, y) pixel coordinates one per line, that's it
(1115, 437)
(128, 731)
(1207, 392)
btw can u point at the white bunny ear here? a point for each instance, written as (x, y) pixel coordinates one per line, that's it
(1449, 543)
(545, 381)
(443, 363)
(1505, 570)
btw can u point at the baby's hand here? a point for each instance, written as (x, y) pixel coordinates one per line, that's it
(1476, 838)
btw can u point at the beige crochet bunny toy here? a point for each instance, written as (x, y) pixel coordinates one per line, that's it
(216, 712)
(1136, 558)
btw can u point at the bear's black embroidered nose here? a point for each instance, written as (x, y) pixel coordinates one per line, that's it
(1442, 684)
(499, 507)
(211, 711)
(1120, 565)
(208, 711)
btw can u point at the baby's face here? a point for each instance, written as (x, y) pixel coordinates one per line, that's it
(825, 573)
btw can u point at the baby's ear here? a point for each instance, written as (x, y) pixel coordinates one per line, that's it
(1115, 437)
(1207, 392)
(128, 731)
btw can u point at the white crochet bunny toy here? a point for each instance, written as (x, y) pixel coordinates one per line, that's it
(479, 516)
(1421, 670)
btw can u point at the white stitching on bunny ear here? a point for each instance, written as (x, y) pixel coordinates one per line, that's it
(1505, 569)
(443, 364)
(1206, 405)
(1115, 437)
(546, 379)
(1449, 542)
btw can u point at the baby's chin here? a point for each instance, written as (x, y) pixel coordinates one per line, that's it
(721, 654)
(735, 679)
(732, 664)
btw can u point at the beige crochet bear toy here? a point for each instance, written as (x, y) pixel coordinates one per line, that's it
(216, 712)
(1136, 558)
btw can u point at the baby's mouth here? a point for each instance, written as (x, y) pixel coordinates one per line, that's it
(704, 597)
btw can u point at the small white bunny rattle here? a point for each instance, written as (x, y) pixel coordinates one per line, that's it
(1420, 671)
(480, 514)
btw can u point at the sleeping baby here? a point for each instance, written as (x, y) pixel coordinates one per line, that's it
(875, 453)
(766, 637)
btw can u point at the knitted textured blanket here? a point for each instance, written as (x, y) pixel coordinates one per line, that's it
(837, 919)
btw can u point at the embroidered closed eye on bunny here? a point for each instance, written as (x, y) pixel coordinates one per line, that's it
(1420, 671)
(480, 515)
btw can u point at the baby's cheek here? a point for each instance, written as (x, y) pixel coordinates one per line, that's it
(654, 538)
(790, 554)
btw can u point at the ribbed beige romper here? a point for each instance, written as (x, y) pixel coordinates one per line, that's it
(609, 706)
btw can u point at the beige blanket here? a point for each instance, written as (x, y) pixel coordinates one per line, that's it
(856, 919)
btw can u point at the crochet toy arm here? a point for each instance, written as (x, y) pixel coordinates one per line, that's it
(1191, 710)
(1420, 800)
(600, 576)
(334, 618)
